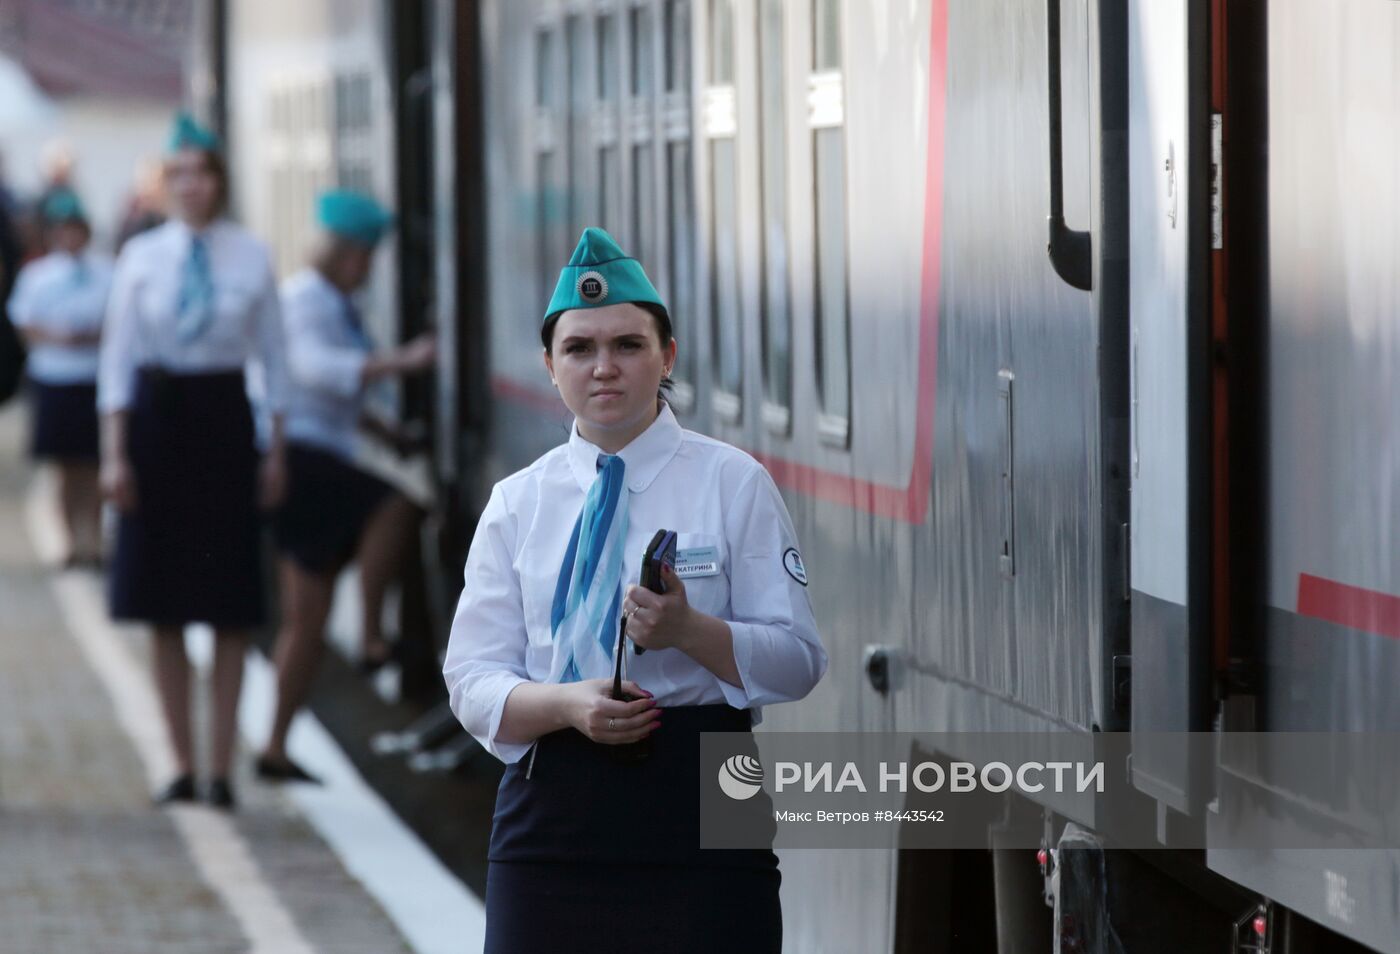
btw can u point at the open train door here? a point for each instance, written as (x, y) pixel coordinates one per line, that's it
(1170, 175)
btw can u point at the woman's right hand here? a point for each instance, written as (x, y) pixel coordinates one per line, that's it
(590, 708)
(119, 483)
(419, 354)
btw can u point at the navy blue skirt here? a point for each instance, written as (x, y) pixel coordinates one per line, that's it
(328, 503)
(64, 422)
(607, 855)
(190, 551)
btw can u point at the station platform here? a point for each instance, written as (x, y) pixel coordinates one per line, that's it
(88, 865)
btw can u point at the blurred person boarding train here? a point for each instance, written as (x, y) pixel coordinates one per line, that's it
(193, 302)
(334, 511)
(58, 306)
(533, 641)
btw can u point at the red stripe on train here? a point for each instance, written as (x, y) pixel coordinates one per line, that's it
(535, 398)
(1351, 606)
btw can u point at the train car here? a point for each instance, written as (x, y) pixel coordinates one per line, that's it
(1131, 471)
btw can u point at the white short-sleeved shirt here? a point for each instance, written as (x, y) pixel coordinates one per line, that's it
(726, 511)
(143, 311)
(65, 294)
(326, 358)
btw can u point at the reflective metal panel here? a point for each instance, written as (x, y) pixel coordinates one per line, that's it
(1166, 70)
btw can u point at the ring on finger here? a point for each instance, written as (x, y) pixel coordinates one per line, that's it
(612, 723)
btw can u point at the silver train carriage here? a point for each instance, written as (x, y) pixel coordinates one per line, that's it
(1145, 482)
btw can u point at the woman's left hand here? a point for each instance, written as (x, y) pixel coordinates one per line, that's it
(659, 620)
(272, 480)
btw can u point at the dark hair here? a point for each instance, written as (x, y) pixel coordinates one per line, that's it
(50, 226)
(663, 331)
(215, 163)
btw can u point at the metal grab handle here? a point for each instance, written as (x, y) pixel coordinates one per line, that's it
(1071, 252)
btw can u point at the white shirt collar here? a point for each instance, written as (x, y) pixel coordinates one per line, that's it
(184, 232)
(648, 452)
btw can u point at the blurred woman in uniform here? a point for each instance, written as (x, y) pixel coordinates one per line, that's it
(335, 511)
(193, 302)
(587, 843)
(58, 306)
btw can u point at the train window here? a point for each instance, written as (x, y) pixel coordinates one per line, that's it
(575, 44)
(724, 265)
(827, 119)
(551, 208)
(721, 42)
(639, 28)
(354, 128)
(678, 198)
(609, 169)
(833, 312)
(643, 203)
(545, 227)
(544, 77)
(680, 255)
(607, 57)
(641, 120)
(721, 128)
(608, 197)
(677, 25)
(776, 316)
(826, 38)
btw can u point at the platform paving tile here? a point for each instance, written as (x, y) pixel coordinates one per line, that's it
(86, 864)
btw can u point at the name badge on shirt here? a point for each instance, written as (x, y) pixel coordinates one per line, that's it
(697, 561)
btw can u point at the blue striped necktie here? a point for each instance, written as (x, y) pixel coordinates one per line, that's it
(195, 309)
(588, 592)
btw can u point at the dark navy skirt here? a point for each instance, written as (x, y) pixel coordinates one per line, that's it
(328, 503)
(592, 854)
(64, 422)
(190, 551)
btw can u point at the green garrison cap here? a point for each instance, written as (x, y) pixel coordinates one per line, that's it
(353, 215)
(600, 273)
(187, 133)
(62, 205)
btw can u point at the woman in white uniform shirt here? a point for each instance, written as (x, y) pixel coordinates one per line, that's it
(335, 510)
(58, 305)
(192, 303)
(583, 842)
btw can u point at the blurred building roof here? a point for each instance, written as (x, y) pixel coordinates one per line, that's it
(107, 47)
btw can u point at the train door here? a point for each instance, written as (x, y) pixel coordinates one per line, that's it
(1322, 220)
(1169, 171)
(453, 215)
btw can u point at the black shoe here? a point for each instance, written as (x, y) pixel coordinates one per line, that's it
(180, 789)
(219, 794)
(271, 770)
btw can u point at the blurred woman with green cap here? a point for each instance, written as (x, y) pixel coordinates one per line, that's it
(193, 303)
(335, 511)
(589, 841)
(58, 306)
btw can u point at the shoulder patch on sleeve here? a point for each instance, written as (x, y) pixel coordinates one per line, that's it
(792, 562)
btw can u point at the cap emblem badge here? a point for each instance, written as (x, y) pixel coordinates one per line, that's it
(592, 287)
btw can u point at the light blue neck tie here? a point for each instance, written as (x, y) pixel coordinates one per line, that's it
(356, 324)
(195, 309)
(588, 593)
